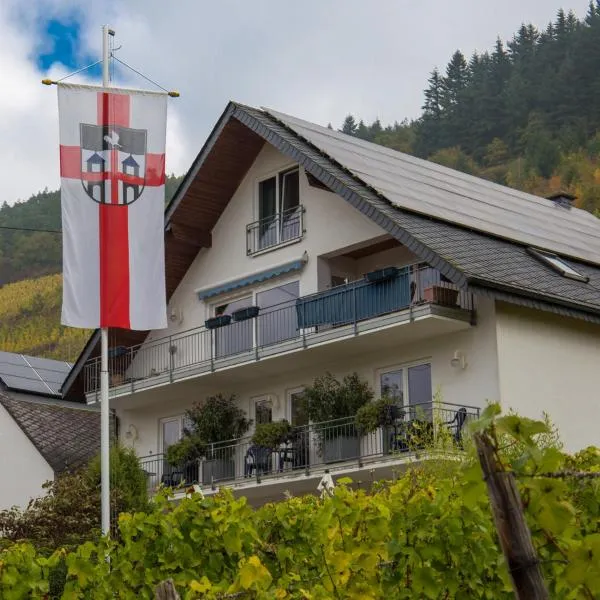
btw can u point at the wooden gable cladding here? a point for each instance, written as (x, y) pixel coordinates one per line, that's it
(196, 210)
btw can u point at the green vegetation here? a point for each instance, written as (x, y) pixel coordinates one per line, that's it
(524, 115)
(430, 534)
(30, 320)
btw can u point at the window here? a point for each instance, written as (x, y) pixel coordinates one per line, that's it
(409, 386)
(279, 213)
(558, 264)
(263, 411)
(171, 431)
(237, 336)
(278, 320)
(298, 416)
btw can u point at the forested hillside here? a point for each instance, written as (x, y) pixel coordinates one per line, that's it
(25, 253)
(525, 114)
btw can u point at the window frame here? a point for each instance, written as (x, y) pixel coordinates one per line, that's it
(180, 419)
(404, 367)
(558, 264)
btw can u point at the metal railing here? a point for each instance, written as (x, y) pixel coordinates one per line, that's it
(341, 311)
(275, 230)
(318, 446)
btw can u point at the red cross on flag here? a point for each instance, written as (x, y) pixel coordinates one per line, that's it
(112, 168)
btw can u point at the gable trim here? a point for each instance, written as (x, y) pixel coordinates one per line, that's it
(336, 178)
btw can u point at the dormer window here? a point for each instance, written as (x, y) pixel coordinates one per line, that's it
(558, 264)
(279, 212)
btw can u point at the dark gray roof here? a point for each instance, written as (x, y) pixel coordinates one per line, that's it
(66, 434)
(437, 191)
(473, 259)
(33, 375)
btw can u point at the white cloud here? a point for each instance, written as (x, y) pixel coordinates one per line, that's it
(317, 59)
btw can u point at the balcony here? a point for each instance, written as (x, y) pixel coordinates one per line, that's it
(416, 295)
(277, 230)
(334, 446)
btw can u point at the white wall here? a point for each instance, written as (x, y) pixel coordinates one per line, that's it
(23, 470)
(551, 363)
(472, 386)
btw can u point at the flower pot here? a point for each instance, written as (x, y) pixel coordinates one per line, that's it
(381, 274)
(438, 294)
(340, 448)
(245, 313)
(216, 322)
(218, 469)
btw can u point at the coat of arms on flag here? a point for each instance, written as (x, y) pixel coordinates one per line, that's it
(112, 162)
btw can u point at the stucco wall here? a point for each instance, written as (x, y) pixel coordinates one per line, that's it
(23, 470)
(550, 363)
(471, 386)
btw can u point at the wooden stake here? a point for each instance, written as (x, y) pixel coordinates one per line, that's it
(166, 591)
(515, 537)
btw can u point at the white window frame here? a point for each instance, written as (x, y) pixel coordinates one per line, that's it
(288, 400)
(161, 441)
(404, 367)
(278, 204)
(558, 264)
(255, 400)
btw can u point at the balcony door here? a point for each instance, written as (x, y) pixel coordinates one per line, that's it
(238, 336)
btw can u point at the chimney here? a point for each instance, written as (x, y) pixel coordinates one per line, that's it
(562, 199)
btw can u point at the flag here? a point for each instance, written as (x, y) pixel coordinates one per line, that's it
(112, 168)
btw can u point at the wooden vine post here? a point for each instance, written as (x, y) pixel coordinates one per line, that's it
(515, 537)
(166, 591)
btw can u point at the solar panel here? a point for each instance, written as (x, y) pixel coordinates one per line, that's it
(449, 195)
(32, 374)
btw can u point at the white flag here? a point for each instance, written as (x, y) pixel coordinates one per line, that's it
(112, 168)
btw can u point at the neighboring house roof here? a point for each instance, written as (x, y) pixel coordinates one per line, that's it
(32, 375)
(66, 434)
(475, 232)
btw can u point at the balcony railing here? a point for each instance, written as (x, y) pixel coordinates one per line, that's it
(275, 230)
(343, 311)
(318, 446)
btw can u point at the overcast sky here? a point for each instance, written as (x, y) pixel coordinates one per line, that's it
(315, 59)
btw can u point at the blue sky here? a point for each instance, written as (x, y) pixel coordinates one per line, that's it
(61, 43)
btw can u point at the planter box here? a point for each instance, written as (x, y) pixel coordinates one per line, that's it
(216, 322)
(245, 313)
(217, 470)
(343, 447)
(381, 274)
(441, 295)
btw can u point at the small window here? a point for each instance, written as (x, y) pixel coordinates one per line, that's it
(263, 411)
(558, 264)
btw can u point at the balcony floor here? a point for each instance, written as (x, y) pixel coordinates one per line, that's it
(387, 331)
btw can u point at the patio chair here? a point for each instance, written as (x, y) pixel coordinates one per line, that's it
(258, 458)
(457, 424)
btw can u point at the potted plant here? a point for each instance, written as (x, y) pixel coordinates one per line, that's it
(219, 321)
(383, 413)
(272, 435)
(382, 274)
(214, 426)
(242, 314)
(182, 460)
(331, 405)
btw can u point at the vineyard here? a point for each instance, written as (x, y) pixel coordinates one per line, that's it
(30, 320)
(429, 534)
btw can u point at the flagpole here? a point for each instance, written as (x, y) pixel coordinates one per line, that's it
(104, 408)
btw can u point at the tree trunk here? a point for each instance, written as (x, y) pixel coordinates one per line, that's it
(515, 537)
(166, 591)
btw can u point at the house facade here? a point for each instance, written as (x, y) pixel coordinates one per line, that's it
(294, 250)
(40, 434)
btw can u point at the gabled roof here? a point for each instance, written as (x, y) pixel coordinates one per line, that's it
(66, 434)
(475, 232)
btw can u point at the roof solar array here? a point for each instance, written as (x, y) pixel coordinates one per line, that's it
(34, 375)
(456, 197)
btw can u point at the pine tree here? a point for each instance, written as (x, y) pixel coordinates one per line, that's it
(433, 96)
(349, 127)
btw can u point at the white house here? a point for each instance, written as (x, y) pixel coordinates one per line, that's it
(349, 256)
(40, 434)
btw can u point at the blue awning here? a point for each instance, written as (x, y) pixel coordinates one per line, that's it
(290, 267)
